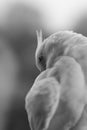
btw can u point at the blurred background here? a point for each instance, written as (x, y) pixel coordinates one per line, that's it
(19, 20)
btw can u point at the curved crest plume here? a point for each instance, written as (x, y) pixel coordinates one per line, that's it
(39, 37)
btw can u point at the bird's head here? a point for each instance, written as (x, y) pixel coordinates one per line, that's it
(62, 43)
(51, 48)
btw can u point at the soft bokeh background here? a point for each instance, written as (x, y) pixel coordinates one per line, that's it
(19, 20)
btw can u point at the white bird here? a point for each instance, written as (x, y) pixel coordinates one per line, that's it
(57, 98)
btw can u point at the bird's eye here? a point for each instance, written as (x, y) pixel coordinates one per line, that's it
(42, 61)
(41, 58)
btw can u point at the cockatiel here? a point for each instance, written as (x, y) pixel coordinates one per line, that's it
(57, 99)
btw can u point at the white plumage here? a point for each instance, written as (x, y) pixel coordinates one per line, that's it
(57, 99)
